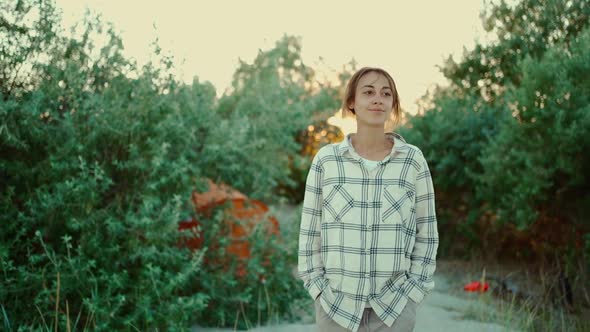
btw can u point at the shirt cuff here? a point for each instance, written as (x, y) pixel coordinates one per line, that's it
(414, 291)
(316, 286)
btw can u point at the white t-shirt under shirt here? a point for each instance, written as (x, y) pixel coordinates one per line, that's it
(370, 164)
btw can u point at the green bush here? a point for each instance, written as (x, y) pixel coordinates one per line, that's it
(538, 159)
(265, 294)
(97, 169)
(98, 161)
(453, 135)
(505, 138)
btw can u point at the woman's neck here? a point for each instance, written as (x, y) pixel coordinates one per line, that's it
(371, 145)
(370, 141)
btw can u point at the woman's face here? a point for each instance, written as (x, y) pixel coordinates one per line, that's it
(373, 101)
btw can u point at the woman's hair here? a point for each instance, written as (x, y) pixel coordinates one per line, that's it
(350, 92)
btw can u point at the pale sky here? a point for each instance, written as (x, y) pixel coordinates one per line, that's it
(406, 38)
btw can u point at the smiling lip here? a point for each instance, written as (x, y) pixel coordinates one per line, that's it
(376, 110)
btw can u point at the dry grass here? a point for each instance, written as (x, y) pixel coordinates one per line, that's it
(534, 304)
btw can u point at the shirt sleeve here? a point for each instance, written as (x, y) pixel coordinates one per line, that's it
(423, 258)
(310, 264)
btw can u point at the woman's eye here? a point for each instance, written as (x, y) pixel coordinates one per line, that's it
(368, 92)
(388, 94)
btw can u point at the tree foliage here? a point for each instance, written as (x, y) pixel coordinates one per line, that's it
(99, 157)
(519, 29)
(272, 102)
(506, 137)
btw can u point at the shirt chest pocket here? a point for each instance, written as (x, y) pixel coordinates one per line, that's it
(398, 204)
(338, 203)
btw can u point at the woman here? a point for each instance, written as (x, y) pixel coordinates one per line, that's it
(368, 237)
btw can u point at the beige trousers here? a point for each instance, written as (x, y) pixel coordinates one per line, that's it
(370, 321)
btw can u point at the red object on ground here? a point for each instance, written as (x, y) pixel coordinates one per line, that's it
(476, 286)
(241, 215)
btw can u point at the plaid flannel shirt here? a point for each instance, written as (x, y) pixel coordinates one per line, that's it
(368, 235)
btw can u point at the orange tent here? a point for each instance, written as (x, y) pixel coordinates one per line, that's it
(241, 215)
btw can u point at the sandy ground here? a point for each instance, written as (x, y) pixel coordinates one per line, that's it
(440, 311)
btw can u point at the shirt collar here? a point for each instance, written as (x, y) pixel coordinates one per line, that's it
(399, 144)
